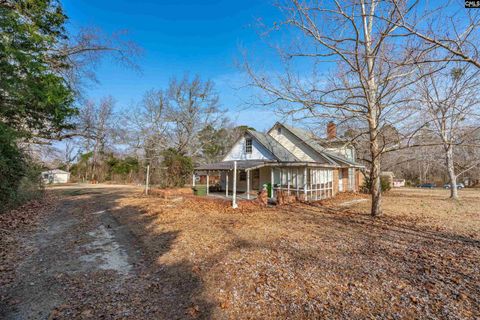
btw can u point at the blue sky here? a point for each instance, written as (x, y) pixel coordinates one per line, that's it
(177, 38)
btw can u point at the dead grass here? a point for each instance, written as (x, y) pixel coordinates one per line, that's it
(433, 209)
(421, 260)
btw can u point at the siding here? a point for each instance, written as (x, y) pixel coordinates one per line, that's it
(259, 152)
(346, 151)
(295, 145)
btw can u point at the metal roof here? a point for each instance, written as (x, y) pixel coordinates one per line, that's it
(54, 171)
(313, 141)
(272, 145)
(228, 165)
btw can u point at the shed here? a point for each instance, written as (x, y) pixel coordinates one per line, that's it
(55, 176)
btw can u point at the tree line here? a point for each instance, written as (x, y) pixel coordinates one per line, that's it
(168, 130)
(43, 69)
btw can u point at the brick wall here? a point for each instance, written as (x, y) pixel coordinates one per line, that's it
(335, 181)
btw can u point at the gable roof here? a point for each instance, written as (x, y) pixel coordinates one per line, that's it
(272, 145)
(313, 142)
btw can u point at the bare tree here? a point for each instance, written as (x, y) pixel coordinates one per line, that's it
(193, 105)
(78, 56)
(70, 153)
(373, 64)
(450, 103)
(95, 121)
(146, 125)
(446, 30)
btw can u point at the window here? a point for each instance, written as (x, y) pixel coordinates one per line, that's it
(248, 145)
(320, 184)
(279, 130)
(350, 153)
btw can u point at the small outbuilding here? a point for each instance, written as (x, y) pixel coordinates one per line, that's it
(398, 183)
(55, 176)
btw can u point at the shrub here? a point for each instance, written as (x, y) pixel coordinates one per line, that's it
(20, 178)
(178, 168)
(384, 182)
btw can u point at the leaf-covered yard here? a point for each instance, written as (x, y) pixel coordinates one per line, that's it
(197, 258)
(420, 260)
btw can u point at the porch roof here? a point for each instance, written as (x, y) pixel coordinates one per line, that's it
(228, 165)
(255, 164)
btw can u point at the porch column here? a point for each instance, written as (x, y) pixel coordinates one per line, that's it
(305, 182)
(226, 184)
(248, 184)
(234, 196)
(193, 179)
(289, 176)
(208, 180)
(296, 183)
(272, 182)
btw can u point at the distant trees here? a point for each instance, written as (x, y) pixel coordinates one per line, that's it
(169, 130)
(449, 101)
(193, 105)
(172, 128)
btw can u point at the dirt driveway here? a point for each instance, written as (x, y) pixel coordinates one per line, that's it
(81, 262)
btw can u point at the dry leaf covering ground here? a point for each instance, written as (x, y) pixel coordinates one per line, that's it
(420, 260)
(195, 257)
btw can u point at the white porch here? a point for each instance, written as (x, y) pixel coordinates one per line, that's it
(308, 181)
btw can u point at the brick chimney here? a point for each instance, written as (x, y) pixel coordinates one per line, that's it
(331, 130)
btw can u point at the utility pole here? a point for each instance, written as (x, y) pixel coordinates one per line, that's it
(148, 179)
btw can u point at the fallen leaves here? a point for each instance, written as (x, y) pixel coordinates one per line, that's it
(203, 259)
(14, 225)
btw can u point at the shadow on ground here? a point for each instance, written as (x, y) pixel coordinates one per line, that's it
(87, 264)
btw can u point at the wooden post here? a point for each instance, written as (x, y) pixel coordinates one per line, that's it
(272, 182)
(226, 184)
(147, 182)
(248, 184)
(289, 176)
(305, 182)
(208, 182)
(296, 183)
(234, 196)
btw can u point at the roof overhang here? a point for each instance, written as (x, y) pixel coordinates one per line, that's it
(229, 165)
(256, 164)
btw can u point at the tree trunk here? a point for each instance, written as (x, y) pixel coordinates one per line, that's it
(375, 183)
(451, 173)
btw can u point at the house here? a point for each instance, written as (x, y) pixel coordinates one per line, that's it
(290, 159)
(55, 176)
